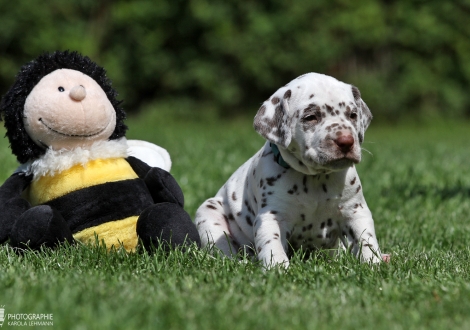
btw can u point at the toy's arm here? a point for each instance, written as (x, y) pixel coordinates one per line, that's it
(12, 205)
(162, 186)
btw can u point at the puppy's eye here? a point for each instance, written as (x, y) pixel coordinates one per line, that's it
(61, 89)
(310, 118)
(353, 116)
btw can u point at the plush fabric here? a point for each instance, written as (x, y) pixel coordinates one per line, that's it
(76, 180)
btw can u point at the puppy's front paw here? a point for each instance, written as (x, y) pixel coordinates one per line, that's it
(276, 261)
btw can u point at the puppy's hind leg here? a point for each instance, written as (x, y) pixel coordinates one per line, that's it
(212, 224)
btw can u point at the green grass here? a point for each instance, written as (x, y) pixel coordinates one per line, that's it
(416, 182)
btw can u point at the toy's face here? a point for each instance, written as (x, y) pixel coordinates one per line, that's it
(68, 109)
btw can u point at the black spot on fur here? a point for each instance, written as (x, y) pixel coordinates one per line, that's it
(329, 109)
(356, 93)
(211, 207)
(248, 220)
(287, 94)
(270, 181)
(351, 233)
(324, 188)
(353, 181)
(304, 183)
(248, 207)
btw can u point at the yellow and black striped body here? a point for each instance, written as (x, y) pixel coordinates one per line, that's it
(102, 197)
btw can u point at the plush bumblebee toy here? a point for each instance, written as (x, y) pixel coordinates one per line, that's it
(77, 179)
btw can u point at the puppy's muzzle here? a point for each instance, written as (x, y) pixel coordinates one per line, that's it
(345, 143)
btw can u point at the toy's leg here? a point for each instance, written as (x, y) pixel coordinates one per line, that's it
(11, 203)
(40, 225)
(9, 213)
(166, 223)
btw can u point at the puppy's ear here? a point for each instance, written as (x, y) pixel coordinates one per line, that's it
(365, 114)
(273, 121)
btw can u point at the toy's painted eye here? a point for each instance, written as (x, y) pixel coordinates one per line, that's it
(61, 89)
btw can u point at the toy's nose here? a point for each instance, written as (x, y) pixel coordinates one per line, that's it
(78, 93)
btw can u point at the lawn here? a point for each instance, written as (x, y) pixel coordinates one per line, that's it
(416, 180)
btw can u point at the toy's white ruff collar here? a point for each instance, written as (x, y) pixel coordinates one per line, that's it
(56, 161)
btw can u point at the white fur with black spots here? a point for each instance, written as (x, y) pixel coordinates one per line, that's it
(301, 188)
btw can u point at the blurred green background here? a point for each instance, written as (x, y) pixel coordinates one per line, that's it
(409, 58)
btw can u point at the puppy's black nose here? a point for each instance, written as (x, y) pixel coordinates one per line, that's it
(345, 142)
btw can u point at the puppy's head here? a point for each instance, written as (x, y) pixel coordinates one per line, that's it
(317, 122)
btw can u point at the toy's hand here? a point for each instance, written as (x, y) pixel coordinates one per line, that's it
(162, 186)
(14, 186)
(11, 203)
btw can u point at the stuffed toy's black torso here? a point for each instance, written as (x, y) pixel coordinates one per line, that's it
(77, 181)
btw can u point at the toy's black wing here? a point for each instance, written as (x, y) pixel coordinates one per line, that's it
(12, 205)
(162, 186)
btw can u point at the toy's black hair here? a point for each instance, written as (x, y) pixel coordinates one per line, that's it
(12, 104)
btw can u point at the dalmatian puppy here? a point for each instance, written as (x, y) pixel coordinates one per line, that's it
(301, 188)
